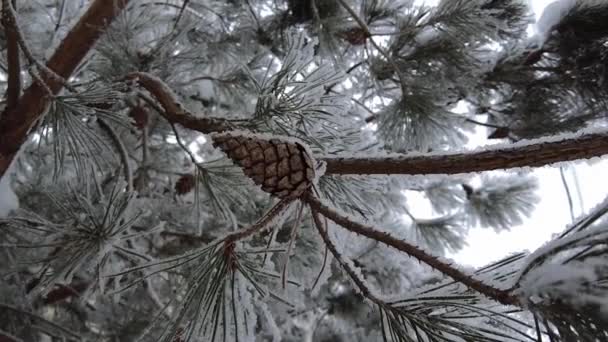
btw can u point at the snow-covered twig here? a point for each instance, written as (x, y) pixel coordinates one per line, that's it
(501, 296)
(347, 266)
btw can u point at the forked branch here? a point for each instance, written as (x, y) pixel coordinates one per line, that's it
(16, 123)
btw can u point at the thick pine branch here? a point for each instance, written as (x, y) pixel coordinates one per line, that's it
(16, 123)
(533, 154)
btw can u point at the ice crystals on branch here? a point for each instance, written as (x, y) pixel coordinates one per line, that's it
(551, 17)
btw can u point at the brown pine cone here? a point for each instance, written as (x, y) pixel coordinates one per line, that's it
(185, 184)
(283, 168)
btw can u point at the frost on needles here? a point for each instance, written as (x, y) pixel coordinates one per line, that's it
(228, 170)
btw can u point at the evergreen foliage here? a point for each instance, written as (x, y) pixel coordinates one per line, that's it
(186, 170)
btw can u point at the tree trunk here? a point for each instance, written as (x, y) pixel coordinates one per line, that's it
(16, 123)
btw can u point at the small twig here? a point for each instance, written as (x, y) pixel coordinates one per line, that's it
(61, 13)
(482, 123)
(292, 239)
(323, 266)
(184, 147)
(365, 291)
(261, 224)
(181, 13)
(368, 34)
(568, 194)
(122, 150)
(348, 71)
(501, 296)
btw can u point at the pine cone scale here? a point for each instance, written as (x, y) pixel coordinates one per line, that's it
(283, 168)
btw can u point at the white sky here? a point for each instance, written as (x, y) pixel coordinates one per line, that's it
(552, 213)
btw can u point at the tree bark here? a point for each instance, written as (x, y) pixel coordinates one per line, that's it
(173, 110)
(533, 154)
(16, 123)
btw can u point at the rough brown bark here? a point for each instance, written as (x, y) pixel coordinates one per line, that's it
(531, 155)
(173, 111)
(16, 123)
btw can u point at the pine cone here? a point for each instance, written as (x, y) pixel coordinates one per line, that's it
(283, 168)
(185, 184)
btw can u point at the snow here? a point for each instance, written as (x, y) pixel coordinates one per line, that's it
(551, 16)
(570, 282)
(426, 35)
(8, 198)
(270, 321)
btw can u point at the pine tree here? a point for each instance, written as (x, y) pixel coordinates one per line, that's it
(239, 170)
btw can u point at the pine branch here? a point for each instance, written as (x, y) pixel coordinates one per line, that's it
(322, 229)
(13, 90)
(368, 34)
(261, 224)
(173, 110)
(15, 124)
(501, 296)
(532, 154)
